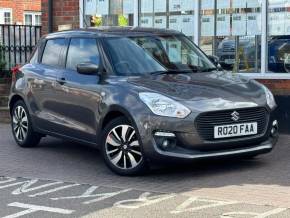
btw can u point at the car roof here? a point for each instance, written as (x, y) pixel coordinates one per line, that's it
(107, 31)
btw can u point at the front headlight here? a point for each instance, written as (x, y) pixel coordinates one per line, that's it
(164, 106)
(269, 97)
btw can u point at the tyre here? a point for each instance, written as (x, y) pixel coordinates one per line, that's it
(22, 128)
(121, 148)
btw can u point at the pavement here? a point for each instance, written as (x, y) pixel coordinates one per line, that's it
(65, 179)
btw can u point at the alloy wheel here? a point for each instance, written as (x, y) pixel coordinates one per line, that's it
(20, 123)
(123, 147)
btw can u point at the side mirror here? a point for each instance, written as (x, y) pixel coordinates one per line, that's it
(214, 59)
(88, 68)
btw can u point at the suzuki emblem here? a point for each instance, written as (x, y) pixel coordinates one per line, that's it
(235, 116)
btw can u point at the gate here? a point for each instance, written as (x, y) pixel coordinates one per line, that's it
(17, 43)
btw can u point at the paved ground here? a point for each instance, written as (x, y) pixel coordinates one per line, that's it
(64, 179)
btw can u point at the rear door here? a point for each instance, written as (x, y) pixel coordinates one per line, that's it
(45, 83)
(79, 96)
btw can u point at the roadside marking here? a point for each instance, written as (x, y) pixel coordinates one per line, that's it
(25, 187)
(89, 194)
(30, 208)
(142, 201)
(184, 207)
(256, 215)
(12, 184)
(6, 181)
(53, 190)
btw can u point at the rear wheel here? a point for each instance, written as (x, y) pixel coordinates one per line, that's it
(22, 129)
(122, 149)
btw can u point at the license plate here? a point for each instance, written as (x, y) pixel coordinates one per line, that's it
(235, 130)
(229, 61)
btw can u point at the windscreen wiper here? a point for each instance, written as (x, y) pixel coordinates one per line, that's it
(209, 69)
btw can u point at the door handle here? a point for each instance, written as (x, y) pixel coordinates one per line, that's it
(61, 81)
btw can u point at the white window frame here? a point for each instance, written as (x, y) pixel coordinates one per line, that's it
(264, 74)
(5, 10)
(33, 14)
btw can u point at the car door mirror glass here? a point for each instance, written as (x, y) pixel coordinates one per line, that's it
(88, 68)
(214, 59)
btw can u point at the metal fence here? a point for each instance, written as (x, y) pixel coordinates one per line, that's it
(17, 43)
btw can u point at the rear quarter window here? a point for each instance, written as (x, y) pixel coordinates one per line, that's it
(34, 56)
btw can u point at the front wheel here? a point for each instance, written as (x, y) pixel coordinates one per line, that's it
(22, 129)
(122, 149)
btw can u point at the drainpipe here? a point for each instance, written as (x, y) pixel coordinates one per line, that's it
(50, 16)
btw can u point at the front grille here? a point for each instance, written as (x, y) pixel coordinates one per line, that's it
(224, 57)
(205, 122)
(228, 48)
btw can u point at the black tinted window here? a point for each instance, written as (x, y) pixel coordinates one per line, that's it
(52, 51)
(81, 51)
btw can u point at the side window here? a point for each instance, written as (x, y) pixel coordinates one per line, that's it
(81, 51)
(52, 51)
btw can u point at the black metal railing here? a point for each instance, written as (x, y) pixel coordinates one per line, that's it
(17, 43)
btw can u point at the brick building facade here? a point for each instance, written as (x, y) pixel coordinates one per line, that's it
(20, 12)
(65, 14)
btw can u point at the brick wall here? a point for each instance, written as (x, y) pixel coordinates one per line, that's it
(277, 86)
(65, 12)
(18, 8)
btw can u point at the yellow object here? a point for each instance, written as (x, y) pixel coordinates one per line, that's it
(122, 20)
(96, 20)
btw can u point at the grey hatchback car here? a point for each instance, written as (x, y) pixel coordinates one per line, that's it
(142, 96)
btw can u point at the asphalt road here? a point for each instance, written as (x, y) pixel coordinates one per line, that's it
(64, 179)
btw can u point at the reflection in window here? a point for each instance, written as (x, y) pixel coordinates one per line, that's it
(82, 51)
(279, 36)
(231, 30)
(52, 51)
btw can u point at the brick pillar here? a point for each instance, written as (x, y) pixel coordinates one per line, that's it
(65, 12)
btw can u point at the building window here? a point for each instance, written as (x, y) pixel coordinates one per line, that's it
(5, 16)
(32, 18)
(37, 20)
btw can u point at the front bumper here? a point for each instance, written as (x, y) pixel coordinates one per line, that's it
(190, 146)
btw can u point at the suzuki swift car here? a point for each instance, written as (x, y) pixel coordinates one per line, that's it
(142, 95)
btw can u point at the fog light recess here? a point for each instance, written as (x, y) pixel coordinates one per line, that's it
(165, 140)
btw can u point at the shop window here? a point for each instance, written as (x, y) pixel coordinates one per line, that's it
(279, 36)
(231, 30)
(108, 12)
(173, 14)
